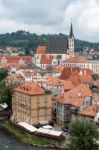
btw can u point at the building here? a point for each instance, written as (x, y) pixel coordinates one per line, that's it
(71, 102)
(57, 50)
(71, 42)
(91, 113)
(15, 60)
(81, 63)
(31, 104)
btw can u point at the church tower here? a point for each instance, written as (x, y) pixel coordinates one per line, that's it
(71, 45)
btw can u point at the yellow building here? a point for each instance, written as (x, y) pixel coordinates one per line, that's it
(31, 104)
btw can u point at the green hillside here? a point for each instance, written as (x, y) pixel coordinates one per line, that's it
(29, 41)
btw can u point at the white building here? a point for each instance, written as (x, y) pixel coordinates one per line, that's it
(92, 65)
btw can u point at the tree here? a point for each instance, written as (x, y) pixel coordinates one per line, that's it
(82, 134)
(9, 93)
(3, 73)
(27, 51)
(6, 92)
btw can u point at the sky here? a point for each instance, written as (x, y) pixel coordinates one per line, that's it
(51, 16)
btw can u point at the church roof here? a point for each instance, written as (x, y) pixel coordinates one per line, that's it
(57, 46)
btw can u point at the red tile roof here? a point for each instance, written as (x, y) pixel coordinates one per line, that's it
(86, 78)
(75, 95)
(67, 72)
(41, 50)
(64, 98)
(58, 68)
(90, 111)
(68, 85)
(15, 59)
(30, 88)
(76, 60)
(12, 59)
(46, 59)
(54, 81)
(77, 75)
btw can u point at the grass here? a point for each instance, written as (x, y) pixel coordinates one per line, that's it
(26, 138)
(98, 148)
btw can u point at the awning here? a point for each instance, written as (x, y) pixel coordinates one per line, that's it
(43, 122)
(47, 127)
(27, 126)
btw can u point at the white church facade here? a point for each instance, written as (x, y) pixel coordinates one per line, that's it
(56, 51)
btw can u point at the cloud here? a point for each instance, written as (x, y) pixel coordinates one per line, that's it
(85, 18)
(51, 16)
(44, 12)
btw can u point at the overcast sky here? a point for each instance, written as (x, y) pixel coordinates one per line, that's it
(51, 16)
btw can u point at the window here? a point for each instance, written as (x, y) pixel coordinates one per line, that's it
(38, 103)
(46, 97)
(38, 98)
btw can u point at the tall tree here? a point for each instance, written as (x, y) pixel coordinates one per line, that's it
(3, 73)
(82, 134)
(6, 92)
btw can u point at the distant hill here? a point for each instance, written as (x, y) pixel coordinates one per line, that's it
(30, 41)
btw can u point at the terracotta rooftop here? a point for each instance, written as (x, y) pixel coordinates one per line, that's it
(75, 95)
(30, 88)
(46, 59)
(58, 68)
(41, 50)
(67, 72)
(90, 111)
(77, 75)
(68, 85)
(54, 81)
(74, 101)
(76, 60)
(86, 78)
(15, 59)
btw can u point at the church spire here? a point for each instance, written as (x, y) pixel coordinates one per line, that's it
(71, 44)
(71, 31)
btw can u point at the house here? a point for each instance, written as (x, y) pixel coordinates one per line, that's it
(15, 60)
(31, 104)
(91, 113)
(54, 82)
(15, 79)
(69, 103)
(77, 75)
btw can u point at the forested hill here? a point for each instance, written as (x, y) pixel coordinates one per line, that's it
(28, 40)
